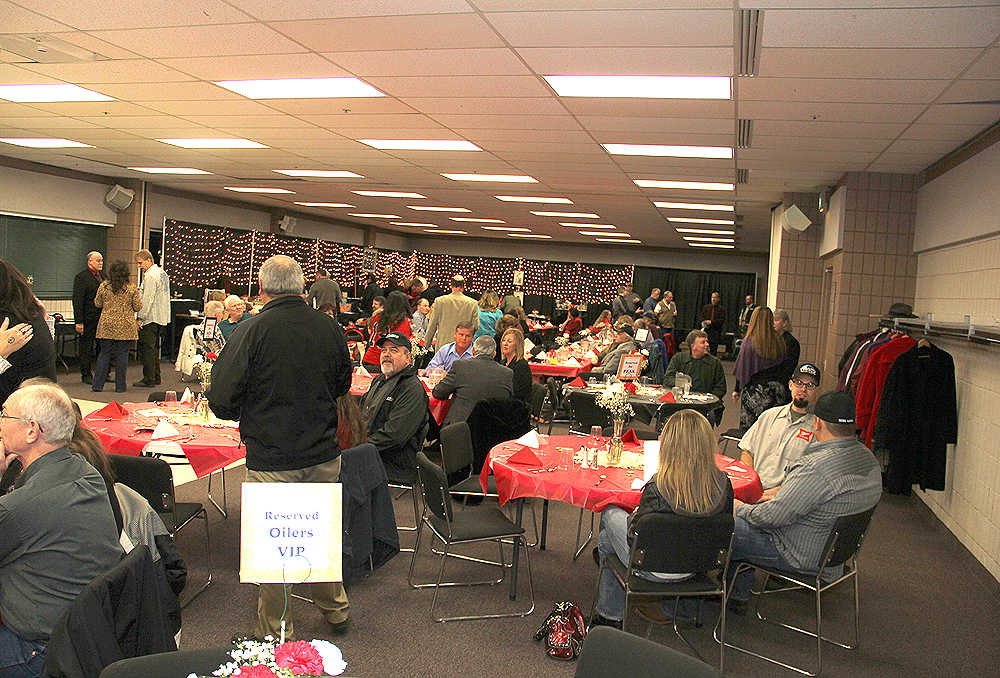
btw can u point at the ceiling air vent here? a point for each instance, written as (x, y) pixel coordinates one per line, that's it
(744, 133)
(742, 176)
(40, 48)
(748, 45)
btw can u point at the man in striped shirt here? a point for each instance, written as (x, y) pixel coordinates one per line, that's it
(836, 476)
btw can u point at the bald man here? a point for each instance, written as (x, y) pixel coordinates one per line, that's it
(85, 314)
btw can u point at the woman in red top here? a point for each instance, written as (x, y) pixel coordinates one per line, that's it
(603, 321)
(573, 323)
(393, 318)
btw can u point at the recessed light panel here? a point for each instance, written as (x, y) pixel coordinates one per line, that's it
(533, 198)
(607, 234)
(631, 240)
(568, 215)
(413, 223)
(169, 170)
(530, 235)
(389, 194)
(692, 220)
(374, 216)
(695, 238)
(213, 143)
(706, 231)
(301, 88)
(428, 208)
(421, 144)
(641, 86)
(324, 204)
(710, 244)
(513, 229)
(694, 206)
(49, 93)
(572, 225)
(441, 230)
(670, 151)
(254, 189)
(500, 178)
(685, 185)
(478, 221)
(46, 142)
(326, 174)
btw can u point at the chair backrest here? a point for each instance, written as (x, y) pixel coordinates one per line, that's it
(170, 664)
(846, 537)
(536, 400)
(586, 412)
(148, 476)
(610, 653)
(434, 487)
(668, 542)
(456, 447)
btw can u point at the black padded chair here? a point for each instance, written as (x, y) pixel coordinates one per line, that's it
(733, 435)
(473, 525)
(585, 412)
(667, 542)
(170, 664)
(842, 547)
(536, 400)
(610, 653)
(152, 478)
(494, 421)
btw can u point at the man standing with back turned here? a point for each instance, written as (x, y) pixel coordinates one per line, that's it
(280, 374)
(85, 314)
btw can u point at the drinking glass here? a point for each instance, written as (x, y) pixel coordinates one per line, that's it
(170, 397)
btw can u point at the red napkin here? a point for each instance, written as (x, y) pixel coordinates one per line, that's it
(524, 456)
(630, 437)
(112, 409)
(668, 397)
(578, 382)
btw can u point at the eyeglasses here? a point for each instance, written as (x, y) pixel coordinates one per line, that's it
(4, 415)
(806, 385)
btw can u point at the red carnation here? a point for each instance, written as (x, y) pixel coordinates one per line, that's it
(211, 356)
(256, 671)
(300, 657)
(630, 387)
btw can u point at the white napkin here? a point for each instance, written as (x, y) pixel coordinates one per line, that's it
(572, 362)
(651, 459)
(528, 345)
(188, 397)
(529, 439)
(163, 430)
(638, 483)
(360, 371)
(154, 447)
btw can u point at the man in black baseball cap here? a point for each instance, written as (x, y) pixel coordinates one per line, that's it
(836, 476)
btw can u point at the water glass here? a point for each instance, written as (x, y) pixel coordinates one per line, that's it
(170, 397)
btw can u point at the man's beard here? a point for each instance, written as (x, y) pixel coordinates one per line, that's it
(800, 403)
(388, 368)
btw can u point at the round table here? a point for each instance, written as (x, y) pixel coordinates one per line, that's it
(659, 405)
(361, 380)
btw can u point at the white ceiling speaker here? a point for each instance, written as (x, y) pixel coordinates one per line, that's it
(119, 197)
(286, 224)
(794, 221)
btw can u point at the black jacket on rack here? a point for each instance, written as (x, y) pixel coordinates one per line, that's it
(917, 418)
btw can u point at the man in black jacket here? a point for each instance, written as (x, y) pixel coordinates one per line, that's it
(395, 408)
(85, 314)
(280, 374)
(368, 295)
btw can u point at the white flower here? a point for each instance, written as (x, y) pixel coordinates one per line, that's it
(333, 658)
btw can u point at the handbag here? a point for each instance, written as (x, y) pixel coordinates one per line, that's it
(563, 631)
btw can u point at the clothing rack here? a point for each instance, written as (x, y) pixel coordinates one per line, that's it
(988, 335)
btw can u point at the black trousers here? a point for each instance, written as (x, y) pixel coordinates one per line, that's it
(149, 352)
(86, 346)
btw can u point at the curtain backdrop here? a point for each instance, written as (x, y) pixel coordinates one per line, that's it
(693, 289)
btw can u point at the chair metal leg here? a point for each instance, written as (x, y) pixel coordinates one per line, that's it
(444, 554)
(416, 512)
(208, 555)
(220, 509)
(579, 524)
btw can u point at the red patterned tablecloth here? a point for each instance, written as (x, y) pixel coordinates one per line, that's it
(439, 408)
(548, 370)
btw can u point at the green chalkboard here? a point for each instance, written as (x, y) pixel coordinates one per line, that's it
(50, 252)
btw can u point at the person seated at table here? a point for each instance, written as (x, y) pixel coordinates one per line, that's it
(329, 309)
(470, 381)
(512, 355)
(396, 407)
(602, 323)
(213, 309)
(687, 483)
(704, 369)
(622, 344)
(781, 434)
(420, 318)
(522, 319)
(506, 322)
(653, 325)
(573, 323)
(460, 349)
(393, 318)
(489, 315)
(236, 312)
(351, 430)
(647, 337)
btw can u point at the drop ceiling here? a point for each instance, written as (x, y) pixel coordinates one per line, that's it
(840, 85)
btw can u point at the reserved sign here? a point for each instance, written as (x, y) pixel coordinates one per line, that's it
(291, 533)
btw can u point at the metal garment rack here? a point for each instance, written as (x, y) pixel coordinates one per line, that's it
(986, 335)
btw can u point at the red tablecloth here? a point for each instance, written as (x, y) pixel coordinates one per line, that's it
(439, 408)
(548, 370)
(579, 486)
(540, 327)
(209, 450)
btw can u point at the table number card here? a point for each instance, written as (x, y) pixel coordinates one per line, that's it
(208, 332)
(630, 366)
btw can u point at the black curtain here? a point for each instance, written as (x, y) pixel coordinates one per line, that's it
(693, 289)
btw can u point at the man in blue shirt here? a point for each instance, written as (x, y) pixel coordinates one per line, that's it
(460, 349)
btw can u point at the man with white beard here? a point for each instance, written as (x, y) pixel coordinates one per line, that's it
(396, 407)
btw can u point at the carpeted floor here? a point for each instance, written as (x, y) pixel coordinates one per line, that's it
(928, 607)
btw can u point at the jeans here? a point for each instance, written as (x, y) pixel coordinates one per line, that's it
(20, 658)
(610, 594)
(117, 350)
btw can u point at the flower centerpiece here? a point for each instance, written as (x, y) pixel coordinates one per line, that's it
(270, 659)
(562, 340)
(614, 399)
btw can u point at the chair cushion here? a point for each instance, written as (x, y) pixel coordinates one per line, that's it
(472, 485)
(700, 583)
(482, 522)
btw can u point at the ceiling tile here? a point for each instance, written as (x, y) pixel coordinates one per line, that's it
(508, 121)
(761, 141)
(166, 91)
(349, 106)
(971, 114)
(8, 110)
(266, 10)
(941, 132)
(656, 124)
(525, 136)
(666, 108)
(639, 28)
(232, 122)
(257, 67)
(392, 32)
(120, 71)
(20, 20)
(194, 41)
(629, 60)
(821, 128)
(89, 42)
(157, 126)
(46, 122)
(832, 112)
(388, 123)
(972, 90)
(667, 138)
(138, 13)
(840, 90)
(403, 62)
(917, 146)
(462, 86)
(488, 105)
(988, 66)
(865, 63)
(14, 75)
(193, 107)
(88, 108)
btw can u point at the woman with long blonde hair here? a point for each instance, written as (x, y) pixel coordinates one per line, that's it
(489, 314)
(687, 483)
(759, 382)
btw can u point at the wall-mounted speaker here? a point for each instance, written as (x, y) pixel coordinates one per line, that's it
(287, 224)
(794, 221)
(119, 197)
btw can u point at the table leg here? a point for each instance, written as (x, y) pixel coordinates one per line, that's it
(545, 524)
(516, 553)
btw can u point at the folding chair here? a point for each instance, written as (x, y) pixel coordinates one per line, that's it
(610, 653)
(842, 547)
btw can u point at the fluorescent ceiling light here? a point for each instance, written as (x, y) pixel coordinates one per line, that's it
(374, 216)
(324, 204)
(568, 215)
(169, 170)
(479, 221)
(688, 185)
(504, 178)
(506, 228)
(252, 189)
(631, 240)
(530, 235)
(428, 208)
(389, 194)
(213, 143)
(694, 206)
(710, 244)
(329, 174)
(572, 225)
(48, 142)
(413, 223)
(670, 151)
(301, 88)
(706, 231)
(692, 220)
(607, 234)
(641, 86)
(421, 144)
(49, 93)
(440, 230)
(700, 239)
(533, 198)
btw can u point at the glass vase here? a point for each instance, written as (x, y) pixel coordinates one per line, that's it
(615, 446)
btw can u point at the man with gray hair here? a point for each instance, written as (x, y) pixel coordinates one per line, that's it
(57, 530)
(85, 313)
(280, 375)
(475, 379)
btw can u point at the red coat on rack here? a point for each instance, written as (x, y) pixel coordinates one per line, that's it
(873, 381)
